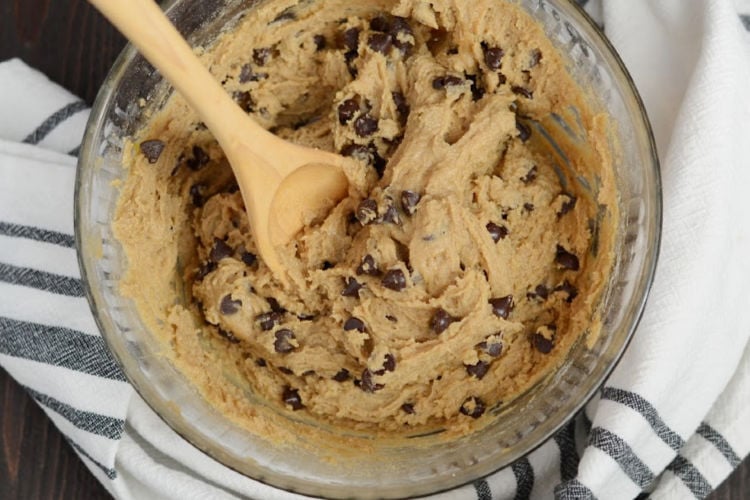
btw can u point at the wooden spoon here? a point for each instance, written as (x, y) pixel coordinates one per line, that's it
(283, 185)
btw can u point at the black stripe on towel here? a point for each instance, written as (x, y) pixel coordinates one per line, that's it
(36, 234)
(621, 452)
(41, 280)
(111, 473)
(647, 410)
(53, 121)
(712, 435)
(58, 346)
(573, 490)
(566, 441)
(483, 490)
(691, 476)
(75, 151)
(524, 478)
(102, 425)
(745, 18)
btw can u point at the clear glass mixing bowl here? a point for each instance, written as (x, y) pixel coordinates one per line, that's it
(415, 466)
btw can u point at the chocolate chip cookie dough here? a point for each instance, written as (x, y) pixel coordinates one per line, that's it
(467, 259)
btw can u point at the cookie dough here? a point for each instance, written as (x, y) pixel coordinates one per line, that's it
(468, 258)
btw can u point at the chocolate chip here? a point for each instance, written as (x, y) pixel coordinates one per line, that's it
(327, 265)
(497, 232)
(351, 39)
(540, 291)
(262, 56)
(494, 349)
(408, 408)
(365, 125)
(493, 56)
(305, 317)
(478, 370)
(566, 260)
(473, 407)
(348, 109)
(522, 91)
(267, 321)
(438, 39)
(503, 306)
(501, 79)
(391, 216)
(152, 149)
(402, 107)
(229, 306)
(442, 82)
(285, 370)
(204, 270)
(529, 207)
(391, 318)
(260, 362)
(351, 287)
(389, 364)
(228, 335)
(292, 399)
(368, 266)
(541, 343)
(367, 211)
(342, 375)
(409, 200)
(358, 152)
(380, 23)
(394, 280)
(400, 32)
(220, 250)
(441, 320)
(524, 131)
(244, 100)
(275, 306)
(378, 162)
(199, 159)
(248, 75)
(380, 42)
(320, 42)
(355, 324)
(568, 204)
(530, 175)
(248, 258)
(535, 57)
(197, 192)
(477, 91)
(568, 289)
(368, 384)
(282, 344)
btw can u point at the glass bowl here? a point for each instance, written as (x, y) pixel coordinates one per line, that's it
(374, 468)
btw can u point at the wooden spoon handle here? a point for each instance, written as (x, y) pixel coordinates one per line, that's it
(149, 29)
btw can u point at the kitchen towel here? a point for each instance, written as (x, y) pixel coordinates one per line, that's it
(671, 420)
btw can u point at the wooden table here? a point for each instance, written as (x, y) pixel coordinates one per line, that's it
(75, 47)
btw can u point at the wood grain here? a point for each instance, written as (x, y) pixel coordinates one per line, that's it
(73, 45)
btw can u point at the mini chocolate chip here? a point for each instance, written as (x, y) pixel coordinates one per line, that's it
(348, 109)
(327, 265)
(402, 107)
(367, 211)
(529, 207)
(355, 324)
(260, 362)
(567, 205)
(365, 125)
(530, 175)
(477, 91)
(394, 279)
(275, 306)
(351, 39)
(401, 29)
(442, 82)
(541, 343)
(368, 266)
(152, 149)
(342, 375)
(358, 152)
(229, 306)
(408, 408)
(441, 320)
(409, 200)
(380, 42)
(497, 232)
(391, 318)
(305, 317)
(248, 258)
(285, 370)
(501, 79)
(389, 364)
(282, 344)
(204, 270)
(378, 163)
(391, 216)
(199, 159)
(351, 287)
(292, 399)
(540, 291)
(524, 131)
(262, 56)
(518, 90)
(503, 306)
(569, 289)
(220, 250)
(380, 23)
(268, 321)
(535, 57)
(368, 384)
(228, 335)
(320, 42)
(196, 194)
(494, 349)
(566, 260)
(248, 75)
(478, 370)
(244, 100)
(473, 407)
(493, 56)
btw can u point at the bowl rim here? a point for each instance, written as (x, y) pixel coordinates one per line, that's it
(572, 9)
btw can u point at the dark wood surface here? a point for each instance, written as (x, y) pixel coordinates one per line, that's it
(74, 46)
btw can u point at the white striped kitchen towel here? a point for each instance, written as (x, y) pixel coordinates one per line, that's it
(672, 420)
